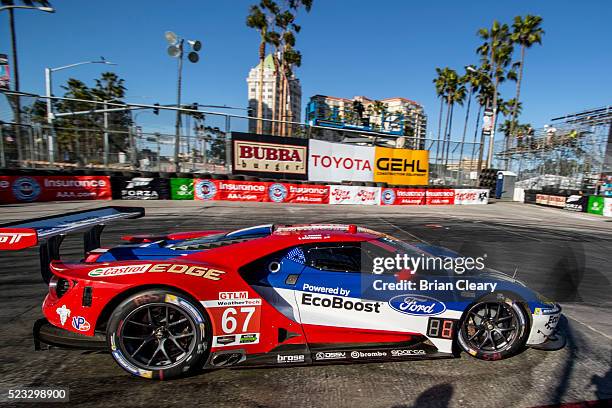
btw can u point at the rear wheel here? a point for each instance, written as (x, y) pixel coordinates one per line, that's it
(158, 334)
(492, 329)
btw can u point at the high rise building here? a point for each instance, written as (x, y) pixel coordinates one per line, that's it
(271, 98)
(393, 116)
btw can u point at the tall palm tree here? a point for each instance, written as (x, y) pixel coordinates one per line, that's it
(440, 84)
(496, 53)
(257, 20)
(473, 80)
(456, 95)
(525, 32)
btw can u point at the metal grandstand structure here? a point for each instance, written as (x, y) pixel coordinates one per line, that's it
(570, 153)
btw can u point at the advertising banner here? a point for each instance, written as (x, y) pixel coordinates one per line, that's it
(181, 189)
(401, 166)
(19, 189)
(596, 205)
(551, 200)
(230, 190)
(576, 203)
(298, 193)
(607, 212)
(269, 156)
(354, 195)
(5, 76)
(468, 196)
(402, 196)
(339, 162)
(143, 188)
(440, 197)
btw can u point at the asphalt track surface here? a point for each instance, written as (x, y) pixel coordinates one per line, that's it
(563, 255)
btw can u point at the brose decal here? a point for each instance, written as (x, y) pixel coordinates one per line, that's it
(340, 303)
(290, 359)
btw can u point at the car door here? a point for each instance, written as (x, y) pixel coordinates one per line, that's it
(337, 301)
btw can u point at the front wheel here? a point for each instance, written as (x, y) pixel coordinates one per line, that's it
(492, 329)
(158, 334)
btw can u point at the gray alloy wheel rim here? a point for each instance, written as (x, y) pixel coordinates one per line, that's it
(157, 336)
(491, 327)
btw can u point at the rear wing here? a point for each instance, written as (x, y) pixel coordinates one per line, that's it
(49, 232)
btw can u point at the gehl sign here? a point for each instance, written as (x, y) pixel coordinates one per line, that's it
(401, 166)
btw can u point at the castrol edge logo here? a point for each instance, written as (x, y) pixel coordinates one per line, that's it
(196, 271)
(269, 157)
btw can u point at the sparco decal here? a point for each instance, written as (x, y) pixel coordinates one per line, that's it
(402, 353)
(340, 303)
(417, 305)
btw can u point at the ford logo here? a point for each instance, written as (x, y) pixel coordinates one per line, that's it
(417, 305)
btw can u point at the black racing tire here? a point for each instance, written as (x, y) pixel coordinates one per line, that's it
(493, 328)
(159, 334)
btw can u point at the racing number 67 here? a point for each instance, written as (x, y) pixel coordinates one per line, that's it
(229, 323)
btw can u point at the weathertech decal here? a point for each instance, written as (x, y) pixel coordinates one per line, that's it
(13, 239)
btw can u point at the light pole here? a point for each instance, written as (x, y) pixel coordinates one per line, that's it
(48, 93)
(175, 49)
(47, 9)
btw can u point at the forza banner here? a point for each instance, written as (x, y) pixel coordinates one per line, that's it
(19, 189)
(142, 188)
(402, 196)
(269, 156)
(401, 166)
(354, 195)
(469, 196)
(440, 196)
(339, 162)
(181, 189)
(233, 190)
(576, 203)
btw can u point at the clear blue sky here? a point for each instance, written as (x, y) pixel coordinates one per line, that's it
(350, 47)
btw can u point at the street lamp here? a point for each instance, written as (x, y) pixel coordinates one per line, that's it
(48, 92)
(45, 7)
(175, 49)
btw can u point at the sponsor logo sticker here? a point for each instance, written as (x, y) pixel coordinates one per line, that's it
(249, 338)
(402, 353)
(299, 358)
(224, 340)
(119, 270)
(331, 355)
(417, 305)
(64, 313)
(79, 323)
(368, 354)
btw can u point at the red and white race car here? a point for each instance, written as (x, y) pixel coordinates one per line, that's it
(164, 305)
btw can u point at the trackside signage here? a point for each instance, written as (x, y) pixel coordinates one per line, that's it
(338, 162)
(468, 196)
(401, 166)
(269, 156)
(354, 195)
(234, 190)
(16, 189)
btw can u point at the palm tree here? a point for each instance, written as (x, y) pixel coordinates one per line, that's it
(456, 95)
(379, 109)
(440, 84)
(258, 20)
(496, 53)
(525, 33)
(473, 80)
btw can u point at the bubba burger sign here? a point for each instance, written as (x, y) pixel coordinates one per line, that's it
(269, 156)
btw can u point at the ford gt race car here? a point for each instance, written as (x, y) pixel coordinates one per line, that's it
(164, 305)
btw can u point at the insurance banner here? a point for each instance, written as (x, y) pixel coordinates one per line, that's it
(181, 189)
(339, 162)
(354, 195)
(230, 190)
(401, 166)
(469, 196)
(19, 189)
(269, 156)
(440, 197)
(402, 196)
(298, 193)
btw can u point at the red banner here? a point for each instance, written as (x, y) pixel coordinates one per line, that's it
(403, 196)
(23, 189)
(235, 190)
(440, 197)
